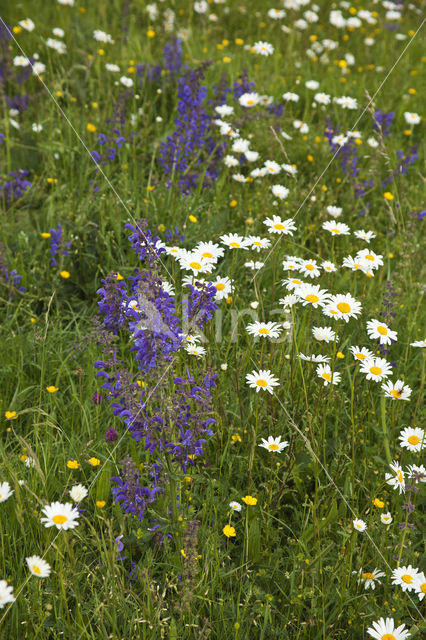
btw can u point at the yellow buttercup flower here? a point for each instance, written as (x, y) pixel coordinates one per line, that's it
(52, 389)
(250, 500)
(45, 234)
(100, 504)
(11, 415)
(95, 462)
(65, 274)
(229, 531)
(193, 218)
(378, 503)
(91, 127)
(73, 464)
(388, 196)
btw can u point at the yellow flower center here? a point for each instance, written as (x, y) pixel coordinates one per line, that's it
(423, 587)
(376, 371)
(369, 257)
(234, 244)
(388, 636)
(396, 393)
(261, 383)
(273, 447)
(368, 576)
(195, 265)
(279, 226)
(333, 311)
(59, 519)
(344, 307)
(413, 439)
(1, 496)
(36, 569)
(407, 578)
(326, 376)
(207, 254)
(357, 266)
(360, 356)
(382, 330)
(250, 101)
(311, 297)
(400, 479)
(264, 331)
(220, 286)
(296, 281)
(309, 267)
(258, 244)
(336, 230)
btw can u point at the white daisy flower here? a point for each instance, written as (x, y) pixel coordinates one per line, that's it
(272, 167)
(263, 48)
(361, 353)
(78, 493)
(6, 594)
(58, 45)
(411, 118)
(291, 265)
(420, 585)
(38, 567)
(312, 84)
(309, 268)
(195, 262)
(238, 177)
(312, 294)
(264, 329)
(259, 243)
(343, 306)
(397, 391)
(224, 110)
(223, 287)
(290, 169)
(336, 228)
(20, 61)
(333, 211)
(5, 491)
(355, 265)
(61, 516)
(210, 250)
(194, 349)
(386, 518)
(230, 161)
(234, 241)
(274, 445)
(126, 82)
(418, 343)
(251, 156)
(412, 438)
(369, 579)
(374, 260)
(27, 24)
(235, 506)
(293, 283)
(359, 525)
(372, 142)
(405, 577)
(376, 369)
(289, 96)
(386, 630)
(380, 331)
(276, 225)
(328, 266)
(249, 100)
(262, 379)
(313, 358)
(255, 265)
(114, 68)
(101, 36)
(289, 301)
(397, 478)
(324, 371)
(279, 191)
(365, 235)
(324, 334)
(276, 14)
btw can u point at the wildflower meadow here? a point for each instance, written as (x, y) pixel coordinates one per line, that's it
(212, 320)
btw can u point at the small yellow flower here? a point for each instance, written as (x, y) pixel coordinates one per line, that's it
(17, 29)
(388, 196)
(229, 300)
(342, 64)
(150, 188)
(64, 274)
(339, 354)
(73, 464)
(310, 158)
(11, 415)
(23, 457)
(150, 33)
(183, 553)
(91, 127)
(52, 180)
(161, 228)
(52, 389)
(118, 276)
(235, 438)
(249, 221)
(193, 218)
(140, 383)
(226, 59)
(100, 504)
(407, 132)
(45, 234)
(239, 41)
(250, 500)
(95, 105)
(59, 94)
(378, 503)
(229, 531)
(101, 52)
(73, 99)
(233, 203)
(95, 462)
(390, 255)
(188, 479)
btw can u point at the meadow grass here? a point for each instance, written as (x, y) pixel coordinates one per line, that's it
(291, 559)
